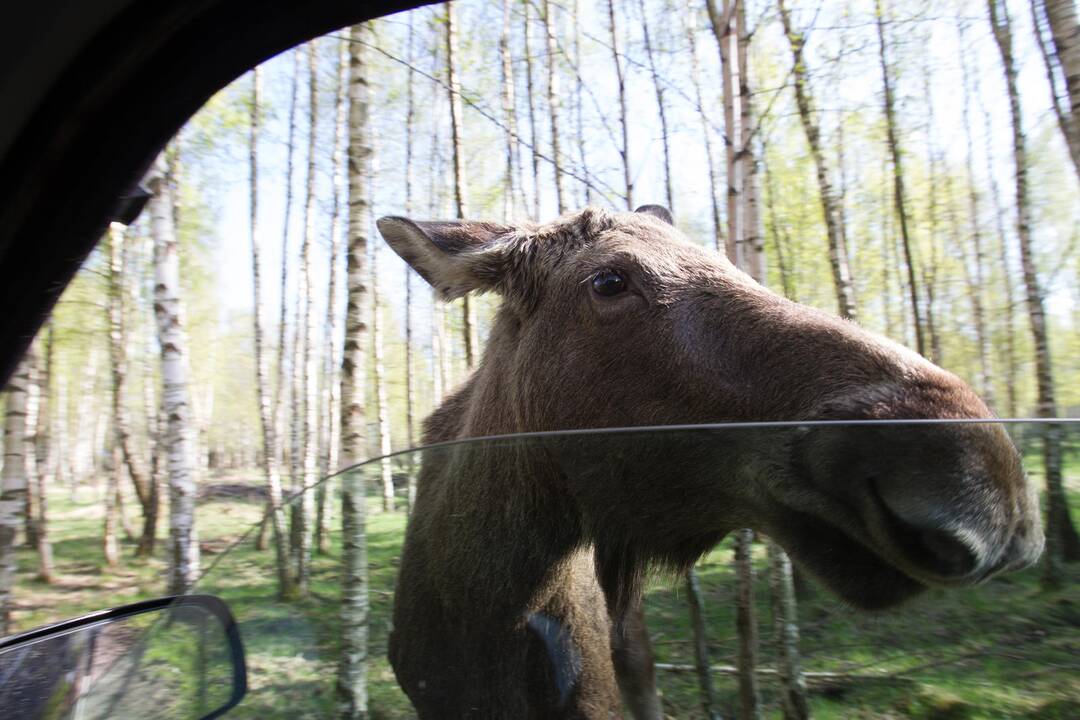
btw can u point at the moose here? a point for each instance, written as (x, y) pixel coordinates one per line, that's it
(519, 590)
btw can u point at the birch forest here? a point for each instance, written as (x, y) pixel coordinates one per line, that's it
(911, 166)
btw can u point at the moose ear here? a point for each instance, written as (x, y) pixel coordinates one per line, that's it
(657, 211)
(456, 257)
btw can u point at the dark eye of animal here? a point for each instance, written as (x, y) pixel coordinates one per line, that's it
(608, 283)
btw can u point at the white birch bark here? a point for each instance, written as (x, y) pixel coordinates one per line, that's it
(661, 106)
(13, 489)
(271, 468)
(44, 449)
(706, 133)
(620, 78)
(530, 97)
(179, 442)
(899, 191)
(553, 99)
(351, 687)
(845, 295)
(468, 304)
(331, 402)
(281, 386)
(786, 633)
(308, 358)
(410, 123)
(382, 409)
(509, 108)
(1062, 542)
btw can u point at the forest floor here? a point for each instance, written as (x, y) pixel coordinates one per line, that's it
(1003, 650)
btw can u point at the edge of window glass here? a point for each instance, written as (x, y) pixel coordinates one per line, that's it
(630, 430)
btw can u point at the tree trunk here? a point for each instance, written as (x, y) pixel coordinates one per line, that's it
(511, 176)
(331, 401)
(509, 108)
(786, 631)
(753, 243)
(620, 77)
(931, 266)
(33, 402)
(706, 133)
(701, 648)
(179, 442)
(977, 279)
(271, 469)
(468, 309)
(530, 96)
(899, 194)
(553, 99)
(746, 626)
(118, 353)
(579, 121)
(46, 455)
(309, 358)
(723, 27)
(281, 386)
(661, 106)
(351, 688)
(153, 406)
(780, 239)
(1062, 542)
(382, 408)
(110, 544)
(13, 490)
(845, 296)
(1060, 15)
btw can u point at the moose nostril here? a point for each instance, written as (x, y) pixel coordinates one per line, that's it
(942, 552)
(917, 530)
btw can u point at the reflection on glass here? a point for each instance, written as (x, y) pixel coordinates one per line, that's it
(873, 546)
(174, 663)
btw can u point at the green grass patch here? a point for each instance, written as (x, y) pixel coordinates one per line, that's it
(1003, 650)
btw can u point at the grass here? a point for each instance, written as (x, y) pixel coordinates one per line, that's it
(1003, 650)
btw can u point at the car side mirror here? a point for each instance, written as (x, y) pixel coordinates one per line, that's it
(174, 658)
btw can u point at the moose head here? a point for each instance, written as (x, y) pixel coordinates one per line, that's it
(616, 320)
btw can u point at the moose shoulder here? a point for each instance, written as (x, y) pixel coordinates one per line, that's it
(518, 591)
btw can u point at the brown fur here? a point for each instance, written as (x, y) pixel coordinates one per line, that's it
(516, 535)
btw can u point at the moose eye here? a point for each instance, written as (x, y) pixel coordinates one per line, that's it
(608, 283)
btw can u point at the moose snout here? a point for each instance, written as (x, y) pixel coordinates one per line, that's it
(945, 504)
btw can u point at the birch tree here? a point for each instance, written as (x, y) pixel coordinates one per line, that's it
(1062, 542)
(509, 108)
(110, 543)
(382, 405)
(351, 687)
(977, 273)
(179, 441)
(579, 120)
(786, 633)
(308, 357)
(510, 181)
(331, 400)
(661, 106)
(1062, 66)
(899, 192)
(553, 99)
(13, 490)
(530, 98)
(46, 453)
(706, 133)
(280, 385)
(271, 468)
(468, 309)
(118, 354)
(845, 296)
(620, 79)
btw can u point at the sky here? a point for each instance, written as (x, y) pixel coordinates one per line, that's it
(480, 21)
